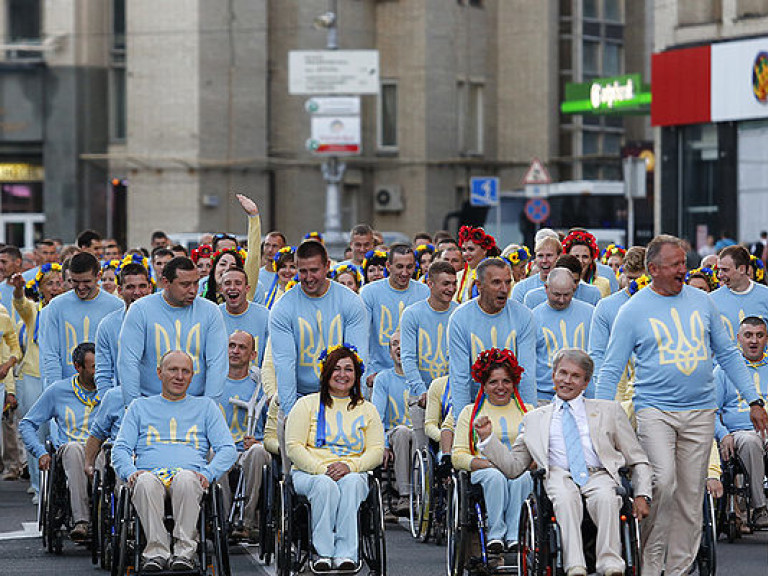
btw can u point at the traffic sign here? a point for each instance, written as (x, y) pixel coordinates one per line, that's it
(484, 191)
(537, 210)
(536, 173)
(333, 72)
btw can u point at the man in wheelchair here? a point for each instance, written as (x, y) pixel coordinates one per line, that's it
(69, 402)
(581, 444)
(733, 428)
(244, 426)
(170, 436)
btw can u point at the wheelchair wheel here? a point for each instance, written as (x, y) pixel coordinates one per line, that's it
(420, 497)
(56, 507)
(42, 504)
(457, 537)
(267, 504)
(706, 559)
(219, 533)
(107, 513)
(439, 505)
(374, 549)
(121, 551)
(284, 532)
(96, 540)
(630, 543)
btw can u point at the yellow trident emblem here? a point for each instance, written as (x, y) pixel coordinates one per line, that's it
(553, 344)
(432, 361)
(685, 354)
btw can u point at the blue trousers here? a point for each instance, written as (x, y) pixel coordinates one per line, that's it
(334, 511)
(28, 390)
(503, 501)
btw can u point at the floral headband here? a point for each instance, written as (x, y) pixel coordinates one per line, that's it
(47, 268)
(613, 250)
(141, 261)
(422, 249)
(519, 256)
(579, 237)
(110, 265)
(238, 253)
(355, 352)
(758, 266)
(487, 358)
(347, 269)
(709, 276)
(284, 250)
(374, 257)
(313, 236)
(202, 251)
(476, 235)
(638, 284)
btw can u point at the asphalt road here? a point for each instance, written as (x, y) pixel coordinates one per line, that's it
(22, 554)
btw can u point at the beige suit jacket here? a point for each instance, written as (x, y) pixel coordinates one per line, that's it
(612, 436)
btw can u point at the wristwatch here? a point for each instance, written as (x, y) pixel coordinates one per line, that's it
(759, 402)
(648, 500)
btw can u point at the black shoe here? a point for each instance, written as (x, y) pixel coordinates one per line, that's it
(322, 565)
(156, 564)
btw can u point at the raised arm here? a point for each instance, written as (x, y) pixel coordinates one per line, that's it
(253, 260)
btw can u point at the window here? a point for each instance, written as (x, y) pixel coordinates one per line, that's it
(611, 59)
(387, 134)
(591, 58)
(117, 83)
(590, 143)
(611, 144)
(23, 20)
(613, 10)
(590, 9)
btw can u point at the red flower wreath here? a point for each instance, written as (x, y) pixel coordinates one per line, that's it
(478, 236)
(487, 358)
(202, 251)
(579, 237)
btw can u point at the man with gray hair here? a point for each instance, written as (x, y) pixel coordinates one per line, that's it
(491, 320)
(673, 331)
(581, 444)
(561, 322)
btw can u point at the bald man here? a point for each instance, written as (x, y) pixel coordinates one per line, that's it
(562, 322)
(170, 435)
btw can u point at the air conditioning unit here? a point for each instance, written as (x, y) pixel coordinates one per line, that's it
(388, 199)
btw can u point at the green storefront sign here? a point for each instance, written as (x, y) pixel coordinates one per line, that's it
(617, 95)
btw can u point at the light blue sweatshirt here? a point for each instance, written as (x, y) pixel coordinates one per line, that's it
(471, 330)
(390, 396)
(602, 322)
(385, 305)
(152, 327)
(607, 272)
(108, 415)
(557, 329)
(585, 292)
(6, 299)
(302, 327)
(236, 417)
(255, 321)
(424, 344)
(673, 338)
(58, 402)
(70, 321)
(259, 297)
(522, 288)
(107, 337)
(732, 409)
(735, 306)
(167, 434)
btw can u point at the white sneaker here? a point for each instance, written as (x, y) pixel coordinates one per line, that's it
(35, 500)
(30, 490)
(322, 565)
(344, 564)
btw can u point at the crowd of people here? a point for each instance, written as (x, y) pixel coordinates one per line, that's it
(559, 356)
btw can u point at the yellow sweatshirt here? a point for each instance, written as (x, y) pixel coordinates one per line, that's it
(253, 259)
(355, 437)
(433, 416)
(10, 347)
(27, 311)
(270, 428)
(506, 422)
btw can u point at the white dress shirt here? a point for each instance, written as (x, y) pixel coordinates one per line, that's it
(557, 453)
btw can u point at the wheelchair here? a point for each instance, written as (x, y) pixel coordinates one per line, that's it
(54, 511)
(103, 509)
(466, 532)
(269, 508)
(540, 540)
(428, 499)
(212, 550)
(294, 531)
(706, 558)
(737, 495)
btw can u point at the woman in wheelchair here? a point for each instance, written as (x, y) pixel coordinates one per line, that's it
(498, 373)
(333, 438)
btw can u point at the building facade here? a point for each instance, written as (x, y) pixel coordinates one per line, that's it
(710, 107)
(150, 115)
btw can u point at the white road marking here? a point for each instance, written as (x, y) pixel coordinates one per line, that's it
(29, 530)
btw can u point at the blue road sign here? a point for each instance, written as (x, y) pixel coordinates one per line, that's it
(484, 191)
(537, 210)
